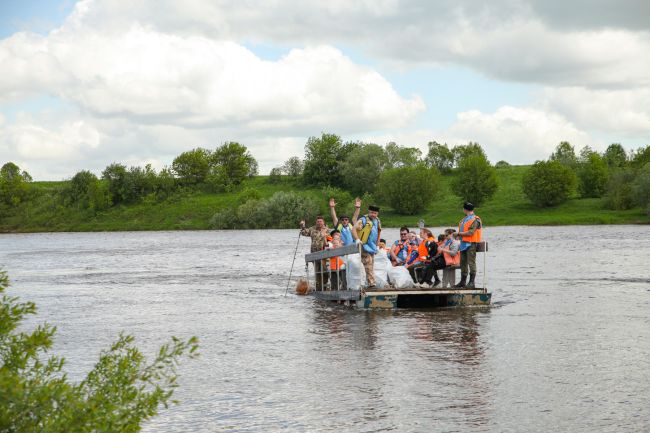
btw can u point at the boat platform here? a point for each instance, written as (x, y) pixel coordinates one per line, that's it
(407, 298)
(390, 297)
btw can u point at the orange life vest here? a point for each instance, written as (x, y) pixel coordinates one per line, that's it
(336, 263)
(451, 260)
(476, 237)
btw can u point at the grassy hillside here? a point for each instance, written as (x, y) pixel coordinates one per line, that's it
(193, 211)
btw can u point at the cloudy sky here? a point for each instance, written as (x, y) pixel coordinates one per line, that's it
(89, 82)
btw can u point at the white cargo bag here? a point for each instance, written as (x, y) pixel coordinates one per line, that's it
(381, 265)
(399, 277)
(354, 272)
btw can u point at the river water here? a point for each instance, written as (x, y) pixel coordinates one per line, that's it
(565, 347)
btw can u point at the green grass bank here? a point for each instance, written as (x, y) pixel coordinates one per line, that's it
(192, 211)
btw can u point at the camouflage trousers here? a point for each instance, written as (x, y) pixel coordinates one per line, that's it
(368, 261)
(468, 259)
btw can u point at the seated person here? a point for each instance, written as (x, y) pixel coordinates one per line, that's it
(437, 262)
(383, 247)
(420, 255)
(338, 279)
(450, 249)
(400, 249)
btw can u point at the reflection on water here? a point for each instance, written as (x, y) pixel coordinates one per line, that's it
(565, 348)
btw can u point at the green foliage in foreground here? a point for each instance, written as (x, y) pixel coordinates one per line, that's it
(185, 210)
(118, 394)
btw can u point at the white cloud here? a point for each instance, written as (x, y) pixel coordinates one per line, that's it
(516, 135)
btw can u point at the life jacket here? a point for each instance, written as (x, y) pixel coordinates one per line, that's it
(476, 237)
(336, 263)
(449, 259)
(346, 233)
(403, 250)
(368, 238)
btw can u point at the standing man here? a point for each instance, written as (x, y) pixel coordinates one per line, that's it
(469, 230)
(318, 234)
(368, 232)
(343, 224)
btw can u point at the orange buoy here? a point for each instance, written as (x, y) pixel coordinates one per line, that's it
(302, 287)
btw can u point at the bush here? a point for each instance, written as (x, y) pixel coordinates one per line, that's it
(618, 192)
(641, 188)
(87, 192)
(476, 180)
(409, 190)
(548, 183)
(501, 164)
(231, 163)
(282, 210)
(118, 394)
(248, 194)
(592, 175)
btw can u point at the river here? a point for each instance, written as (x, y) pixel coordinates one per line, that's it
(565, 346)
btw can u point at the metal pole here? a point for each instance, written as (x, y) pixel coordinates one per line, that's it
(294, 261)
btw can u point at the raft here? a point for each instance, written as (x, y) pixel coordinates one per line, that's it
(389, 297)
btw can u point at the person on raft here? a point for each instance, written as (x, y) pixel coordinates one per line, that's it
(318, 234)
(368, 232)
(343, 224)
(469, 230)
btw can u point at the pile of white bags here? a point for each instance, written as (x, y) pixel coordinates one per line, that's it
(399, 277)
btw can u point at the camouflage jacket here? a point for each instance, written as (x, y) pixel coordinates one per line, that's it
(318, 237)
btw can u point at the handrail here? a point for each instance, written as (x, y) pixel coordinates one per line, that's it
(334, 252)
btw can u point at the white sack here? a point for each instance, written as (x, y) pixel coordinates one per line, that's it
(381, 266)
(399, 277)
(355, 273)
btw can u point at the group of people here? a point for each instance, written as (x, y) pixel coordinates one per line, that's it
(422, 255)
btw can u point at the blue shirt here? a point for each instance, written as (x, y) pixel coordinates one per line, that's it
(346, 235)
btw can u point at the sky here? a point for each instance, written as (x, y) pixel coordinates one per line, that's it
(87, 83)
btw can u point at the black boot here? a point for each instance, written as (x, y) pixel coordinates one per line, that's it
(461, 284)
(470, 285)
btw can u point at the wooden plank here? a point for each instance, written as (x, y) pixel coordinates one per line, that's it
(326, 254)
(338, 295)
(425, 292)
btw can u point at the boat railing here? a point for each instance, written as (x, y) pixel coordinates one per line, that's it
(324, 276)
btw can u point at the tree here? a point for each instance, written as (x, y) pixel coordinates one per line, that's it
(14, 184)
(476, 180)
(440, 156)
(275, 176)
(585, 154)
(615, 156)
(467, 150)
(641, 188)
(231, 163)
(361, 168)
(618, 191)
(409, 190)
(399, 156)
(87, 192)
(548, 183)
(322, 160)
(592, 175)
(641, 157)
(192, 167)
(116, 176)
(293, 167)
(502, 164)
(565, 154)
(118, 394)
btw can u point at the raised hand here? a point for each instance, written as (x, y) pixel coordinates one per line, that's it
(302, 223)
(332, 202)
(357, 202)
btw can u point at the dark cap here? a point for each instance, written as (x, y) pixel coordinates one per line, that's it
(373, 208)
(468, 206)
(382, 240)
(344, 217)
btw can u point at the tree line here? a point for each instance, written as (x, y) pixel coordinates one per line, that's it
(621, 179)
(401, 177)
